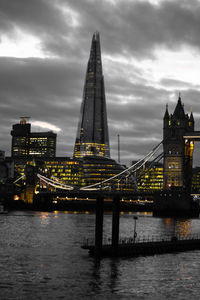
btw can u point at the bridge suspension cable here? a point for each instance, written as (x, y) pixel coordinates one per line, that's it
(54, 183)
(19, 178)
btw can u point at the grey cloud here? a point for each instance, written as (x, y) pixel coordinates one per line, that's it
(129, 28)
(38, 16)
(176, 83)
(136, 28)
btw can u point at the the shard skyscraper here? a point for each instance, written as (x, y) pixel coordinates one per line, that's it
(92, 134)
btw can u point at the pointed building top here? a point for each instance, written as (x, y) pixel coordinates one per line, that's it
(191, 117)
(179, 110)
(166, 116)
(96, 36)
(94, 62)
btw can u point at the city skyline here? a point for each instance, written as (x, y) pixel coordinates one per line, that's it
(150, 52)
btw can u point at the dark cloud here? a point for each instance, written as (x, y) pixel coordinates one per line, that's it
(38, 16)
(50, 89)
(129, 27)
(137, 28)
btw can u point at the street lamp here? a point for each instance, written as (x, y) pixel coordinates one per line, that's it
(135, 233)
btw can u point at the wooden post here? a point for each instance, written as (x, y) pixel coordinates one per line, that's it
(99, 226)
(115, 224)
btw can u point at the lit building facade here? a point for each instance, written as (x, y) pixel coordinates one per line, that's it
(31, 144)
(196, 180)
(65, 169)
(178, 151)
(150, 176)
(92, 133)
(79, 173)
(97, 169)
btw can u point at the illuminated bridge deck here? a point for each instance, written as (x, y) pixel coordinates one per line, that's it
(95, 194)
(193, 136)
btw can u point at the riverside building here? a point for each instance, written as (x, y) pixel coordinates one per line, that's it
(27, 144)
(150, 176)
(65, 169)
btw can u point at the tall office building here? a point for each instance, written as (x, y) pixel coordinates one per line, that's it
(27, 144)
(92, 134)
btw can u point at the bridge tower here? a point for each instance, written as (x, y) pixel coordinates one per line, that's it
(178, 151)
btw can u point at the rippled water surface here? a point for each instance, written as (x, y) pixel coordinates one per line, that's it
(41, 258)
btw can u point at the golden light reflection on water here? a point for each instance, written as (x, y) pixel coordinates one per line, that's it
(56, 212)
(180, 227)
(44, 215)
(144, 213)
(183, 227)
(168, 222)
(45, 218)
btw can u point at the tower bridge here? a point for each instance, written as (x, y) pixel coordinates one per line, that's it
(178, 145)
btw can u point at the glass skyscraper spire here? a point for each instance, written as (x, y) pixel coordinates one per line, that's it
(92, 134)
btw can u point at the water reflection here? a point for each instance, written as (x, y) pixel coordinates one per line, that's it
(105, 276)
(114, 274)
(95, 282)
(183, 227)
(179, 227)
(41, 258)
(45, 218)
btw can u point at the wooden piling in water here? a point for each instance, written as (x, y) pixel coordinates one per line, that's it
(115, 224)
(99, 226)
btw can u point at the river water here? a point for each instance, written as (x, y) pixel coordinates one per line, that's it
(41, 258)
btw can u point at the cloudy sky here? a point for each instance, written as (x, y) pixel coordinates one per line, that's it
(150, 52)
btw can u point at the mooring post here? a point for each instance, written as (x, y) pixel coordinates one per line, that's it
(99, 226)
(115, 224)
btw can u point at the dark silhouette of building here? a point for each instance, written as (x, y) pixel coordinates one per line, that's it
(178, 145)
(92, 134)
(27, 144)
